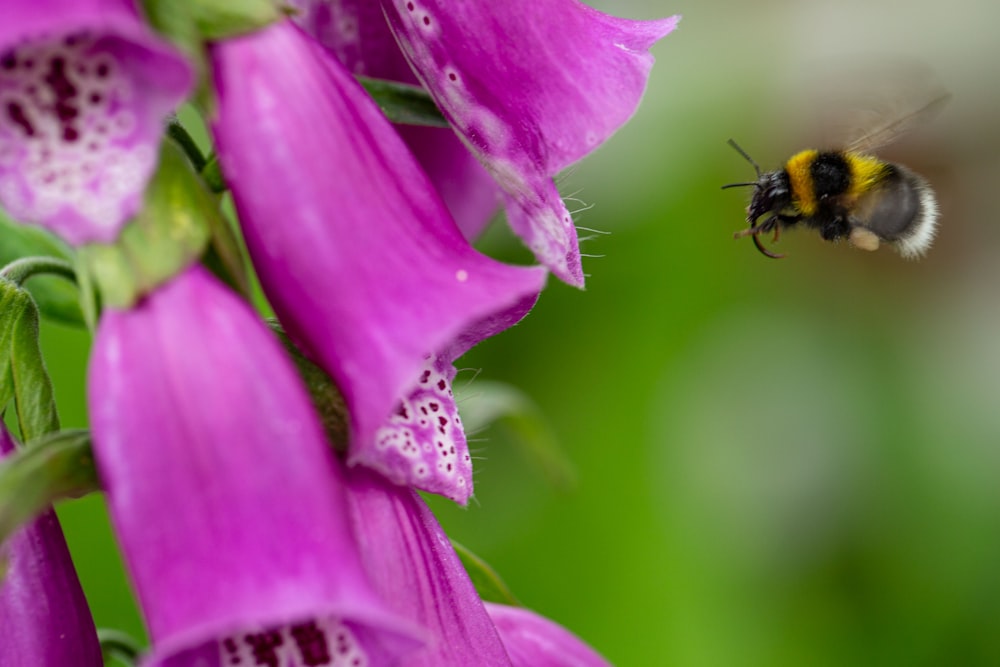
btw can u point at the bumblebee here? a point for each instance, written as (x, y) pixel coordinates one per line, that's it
(846, 193)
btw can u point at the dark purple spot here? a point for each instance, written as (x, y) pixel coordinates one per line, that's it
(427, 20)
(401, 411)
(448, 467)
(409, 6)
(424, 377)
(443, 420)
(28, 64)
(312, 645)
(103, 70)
(441, 385)
(95, 98)
(70, 134)
(264, 647)
(435, 406)
(8, 60)
(17, 116)
(452, 76)
(423, 409)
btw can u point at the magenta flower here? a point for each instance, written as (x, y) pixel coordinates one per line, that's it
(357, 253)
(535, 641)
(84, 90)
(225, 497)
(415, 568)
(44, 618)
(530, 86)
(358, 35)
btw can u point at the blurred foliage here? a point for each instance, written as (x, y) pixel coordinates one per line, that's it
(778, 462)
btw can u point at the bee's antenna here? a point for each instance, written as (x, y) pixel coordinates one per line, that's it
(737, 185)
(749, 159)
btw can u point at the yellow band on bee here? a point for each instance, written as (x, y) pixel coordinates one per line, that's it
(866, 171)
(801, 181)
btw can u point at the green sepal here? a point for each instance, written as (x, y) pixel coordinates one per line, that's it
(211, 20)
(490, 403)
(326, 397)
(168, 234)
(404, 104)
(56, 298)
(57, 466)
(22, 368)
(489, 585)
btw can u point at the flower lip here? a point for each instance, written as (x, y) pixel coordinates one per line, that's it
(84, 88)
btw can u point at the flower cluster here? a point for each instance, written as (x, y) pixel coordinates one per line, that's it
(252, 534)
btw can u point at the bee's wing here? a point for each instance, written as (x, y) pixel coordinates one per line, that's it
(864, 103)
(885, 132)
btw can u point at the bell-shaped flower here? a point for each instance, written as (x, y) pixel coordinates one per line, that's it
(356, 32)
(415, 568)
(225, 497)
(84, 90)
(359, 257)
(535, 641)
(531, 86)
(44, 618)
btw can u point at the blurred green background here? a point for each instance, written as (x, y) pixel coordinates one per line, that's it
(777, 462)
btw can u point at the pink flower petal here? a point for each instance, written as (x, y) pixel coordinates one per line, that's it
(355, 250)
(531, 87)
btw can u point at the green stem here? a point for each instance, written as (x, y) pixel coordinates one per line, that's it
(118, 645)
(21, 269)
(187, 144)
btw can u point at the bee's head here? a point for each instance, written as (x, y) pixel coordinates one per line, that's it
(771, 194)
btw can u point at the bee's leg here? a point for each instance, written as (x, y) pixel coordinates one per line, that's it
(834, 228)
(782, 221)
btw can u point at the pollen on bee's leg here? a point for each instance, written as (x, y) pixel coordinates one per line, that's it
(864, 239)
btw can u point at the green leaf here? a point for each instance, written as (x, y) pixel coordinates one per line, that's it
(486, 403)
(34, 398)
(56, 297)
(24, 375)
(57, 466)
(404, 104)
(488, 583)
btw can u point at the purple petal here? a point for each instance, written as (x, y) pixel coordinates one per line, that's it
(416, 569)
(44, 618)
(531, 87)
(84, 90)
(356, 252)
(225, 497)
(356, 32)
(535, 641)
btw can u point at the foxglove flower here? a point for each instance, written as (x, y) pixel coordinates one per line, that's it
(84, 89)
(531, 86)
(535, 641)
(356, 252)
(356, 32)
(415, 568)
(225, 497)
(44, 618)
